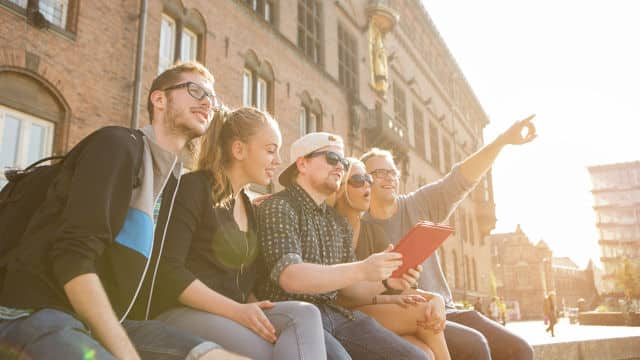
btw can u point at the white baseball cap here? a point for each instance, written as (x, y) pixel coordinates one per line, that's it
(304, 146)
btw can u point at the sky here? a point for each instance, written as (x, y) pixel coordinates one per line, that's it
(576, 65)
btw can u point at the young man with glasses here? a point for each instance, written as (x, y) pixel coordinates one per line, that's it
(308, 254)
(469, 335)
(83, 276)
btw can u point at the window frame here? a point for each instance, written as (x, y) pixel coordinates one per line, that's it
(257, 98)
(193, 52)
(24, 141)
(170, 59)
(185, 22)
(30, 9)
(310, 32)
(308, 116)
(399, 104)
(348, 74)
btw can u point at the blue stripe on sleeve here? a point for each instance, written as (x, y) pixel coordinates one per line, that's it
(137, 232)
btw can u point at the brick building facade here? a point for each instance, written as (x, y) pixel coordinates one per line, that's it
(376, 72)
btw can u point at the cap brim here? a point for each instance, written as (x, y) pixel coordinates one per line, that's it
(285, 177)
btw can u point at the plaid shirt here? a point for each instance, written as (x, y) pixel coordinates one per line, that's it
(293, 229)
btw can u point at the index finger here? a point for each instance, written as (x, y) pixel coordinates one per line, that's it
(528, 118)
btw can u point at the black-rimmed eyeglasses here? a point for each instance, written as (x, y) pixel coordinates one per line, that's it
(385, 173)
(197, 92)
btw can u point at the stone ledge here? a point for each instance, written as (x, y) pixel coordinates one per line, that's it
(622, 348)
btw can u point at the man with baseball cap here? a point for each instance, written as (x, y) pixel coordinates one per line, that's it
(308, 254)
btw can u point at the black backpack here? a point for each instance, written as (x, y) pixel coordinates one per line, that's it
(25, 192)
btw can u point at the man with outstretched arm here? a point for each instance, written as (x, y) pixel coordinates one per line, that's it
(469, 335)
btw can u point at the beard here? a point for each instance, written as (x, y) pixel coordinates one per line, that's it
(327, 186)
(177, 120)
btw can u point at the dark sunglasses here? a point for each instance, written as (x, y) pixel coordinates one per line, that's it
(358, 180)
(197, 92)
(331, 157)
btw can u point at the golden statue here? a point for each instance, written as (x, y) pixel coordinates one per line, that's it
(379, 71)
(382, 19)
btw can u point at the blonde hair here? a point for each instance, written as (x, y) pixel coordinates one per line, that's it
(342, 190)
(215, 145)
(377, 152)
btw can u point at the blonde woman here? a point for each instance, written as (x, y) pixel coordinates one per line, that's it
(208, 268)
(418, 316)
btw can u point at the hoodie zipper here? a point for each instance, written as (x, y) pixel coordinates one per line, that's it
(164, 233)
(146, 267)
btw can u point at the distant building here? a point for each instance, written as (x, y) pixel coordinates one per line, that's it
(523, 271)
(616, 193)
(572, 283)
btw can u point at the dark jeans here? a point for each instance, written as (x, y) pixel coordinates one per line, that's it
(53, 334)
(471, 335)
(363, 338)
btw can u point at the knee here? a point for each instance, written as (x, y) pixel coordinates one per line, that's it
(521, 349)
(302, 311)
(413, 352)
(476, 343)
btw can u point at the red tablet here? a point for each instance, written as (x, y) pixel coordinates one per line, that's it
(419, 243)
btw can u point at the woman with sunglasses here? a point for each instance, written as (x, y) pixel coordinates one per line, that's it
(416, 315)
(208, 267)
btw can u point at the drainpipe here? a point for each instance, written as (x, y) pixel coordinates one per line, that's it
(137, 84)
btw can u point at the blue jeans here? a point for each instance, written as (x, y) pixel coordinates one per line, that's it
(298, 325)
(53, 334)
(471, 335)
(363, 338)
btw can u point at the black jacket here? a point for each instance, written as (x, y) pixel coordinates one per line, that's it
(93, 221)
(204, 242)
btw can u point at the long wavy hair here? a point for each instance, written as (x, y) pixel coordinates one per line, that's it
(214, 157)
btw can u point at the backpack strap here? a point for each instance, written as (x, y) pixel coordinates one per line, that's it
(139, 135)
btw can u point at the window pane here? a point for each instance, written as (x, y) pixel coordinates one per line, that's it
(267, 11)
(37, 142)
(167, 43)
(55, 11)
(189, 46)
(311, 124)
(303, 121)
(9, 145)
(246, 88)
(21, 3)
(262, 95)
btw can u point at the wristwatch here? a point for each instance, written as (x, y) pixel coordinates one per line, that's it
(390, 290)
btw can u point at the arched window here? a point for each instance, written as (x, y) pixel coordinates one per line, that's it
(257, 83)
(182, 35)
(310, 117)
(60, 15)
(32, 113)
